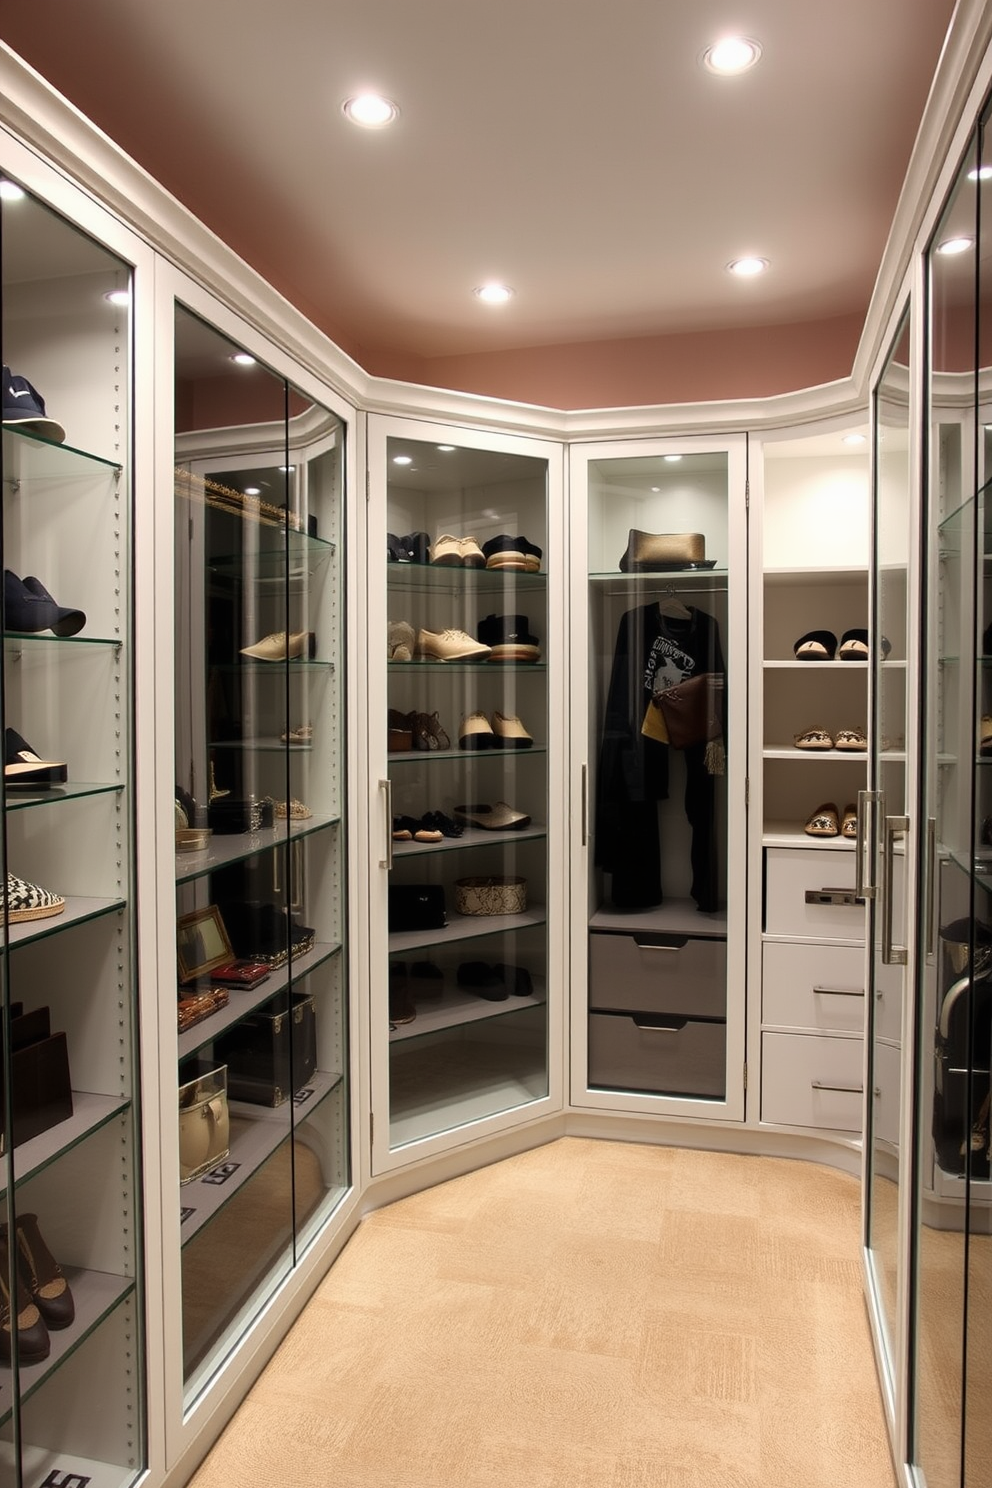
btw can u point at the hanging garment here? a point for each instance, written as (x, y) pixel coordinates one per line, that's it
(653, 652)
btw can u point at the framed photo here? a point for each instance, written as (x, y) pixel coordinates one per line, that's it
(201, 943)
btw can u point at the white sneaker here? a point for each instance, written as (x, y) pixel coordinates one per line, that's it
(450, 645)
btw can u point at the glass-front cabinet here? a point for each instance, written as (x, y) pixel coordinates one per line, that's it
(659, 579)
(261, 964)
(72, 1391)
(467, 726)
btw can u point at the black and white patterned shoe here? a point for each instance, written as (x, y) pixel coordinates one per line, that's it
(27, 901)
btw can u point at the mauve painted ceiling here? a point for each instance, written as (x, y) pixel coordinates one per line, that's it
(577, 150)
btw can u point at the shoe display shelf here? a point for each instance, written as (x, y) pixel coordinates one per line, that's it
(458, 1052)
(260, 769)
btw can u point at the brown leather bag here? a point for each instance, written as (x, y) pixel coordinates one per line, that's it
(693, 710)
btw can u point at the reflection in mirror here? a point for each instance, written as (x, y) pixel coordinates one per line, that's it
(889, 692)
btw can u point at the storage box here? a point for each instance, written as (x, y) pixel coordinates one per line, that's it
(273, 1052)
(41, 1092)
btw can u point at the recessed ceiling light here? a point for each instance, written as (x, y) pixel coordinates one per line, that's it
(10, 191)
(854, 439)
(980, 173)
(731, 55)
(672, 458)
(402, 459)
(950, 246)
(493, 294)
(447, 448)
(118, 297)
(243, 359)
(747, 268)
(285, 469)
(370, 110)
(253, 490)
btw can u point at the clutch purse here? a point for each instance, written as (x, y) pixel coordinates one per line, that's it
(693, 710)
(416, 907)
(490, 896)
(649, 552)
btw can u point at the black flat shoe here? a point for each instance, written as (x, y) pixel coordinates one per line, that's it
(443, 824)
(478, 977)
(515, 978)
(25, 770)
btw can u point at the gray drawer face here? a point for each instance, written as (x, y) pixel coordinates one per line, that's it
(690, 1060)
(676, 974)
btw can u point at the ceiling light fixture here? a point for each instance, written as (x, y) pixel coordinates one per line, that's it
(243, 359)
(493, 294)
(10, 191)
(731, 55)
(253, 490)
(118, 297)
(672, 458)
(370, 110)
(980, 173)
(446, 448)
(950, 246)
(402, 459)
(855, 439)
(747, 268)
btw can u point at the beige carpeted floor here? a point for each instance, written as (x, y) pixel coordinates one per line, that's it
(587, 1315)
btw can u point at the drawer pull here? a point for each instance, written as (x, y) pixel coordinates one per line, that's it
(832, 896)
(656, 943)
(655, 1026)
(840, 991)
(845, 1089)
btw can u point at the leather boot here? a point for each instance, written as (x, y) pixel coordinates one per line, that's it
(42, 1274)
(33, 1343)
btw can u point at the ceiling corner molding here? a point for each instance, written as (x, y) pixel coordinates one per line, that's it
(45, 122)
(961, 78)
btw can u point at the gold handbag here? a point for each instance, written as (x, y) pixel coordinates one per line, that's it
(490, 896)
(204, 1124)
(652, 551)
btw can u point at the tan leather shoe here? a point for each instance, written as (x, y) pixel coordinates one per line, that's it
(472, 554)
(283, 646)
(450, 645)
(476, 732)
(446, 551)
(509, 733)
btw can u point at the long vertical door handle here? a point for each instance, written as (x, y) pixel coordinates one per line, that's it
(386, 787)
(585, 805)
(931, 883)
(867, 803)
(892, 955)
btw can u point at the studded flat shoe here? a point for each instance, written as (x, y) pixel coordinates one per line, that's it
(823, 822)
(849, 822)
(855, 740)
(813, 738)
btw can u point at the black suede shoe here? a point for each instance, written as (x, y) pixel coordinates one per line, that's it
(509, 638)
(443, 824)
(516, 978)
(478, 977)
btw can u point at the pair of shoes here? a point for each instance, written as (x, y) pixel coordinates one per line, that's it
(826, 821)
(852, 740)
(476, 731)
(509, 638)
(431, 827)
(406, 731)
(498, 818)
(457, 552)
(494, 982)
(400, 640)
(414, 547)
(450, 645)
(514, 553)
(283, 645)
(301, 735)
(25, 770)
(43, 1299)
(29, 608)
(821, 645)
(27, 901)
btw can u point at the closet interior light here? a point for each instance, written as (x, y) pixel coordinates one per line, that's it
(493, 294)
(980, 173)
(10, 191)
(731, 55)
(243, 359)
(854, 439)
(446, 448)
(951, 246)
(747, 268)
(118, 297)
(253, 490)
(370, 110)
(672, 458)
(402, 459)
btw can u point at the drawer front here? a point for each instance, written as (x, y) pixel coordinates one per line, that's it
(627, 1054)
(791, 874)
(810, 1079)
(672, 974)
(813, 986)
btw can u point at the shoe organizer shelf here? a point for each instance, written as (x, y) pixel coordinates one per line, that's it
(71, 1392)
(260, 841)
(467, 684)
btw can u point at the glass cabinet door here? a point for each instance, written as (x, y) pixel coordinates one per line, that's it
(71, 1282)
(468, 735)
(259, 801)
(664, 770)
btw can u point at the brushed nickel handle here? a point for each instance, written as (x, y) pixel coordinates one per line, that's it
(931, 882)
(892, 955)
(844, 1089)
(841, 991)
(585, 805)
(386, 787)
(867, 801)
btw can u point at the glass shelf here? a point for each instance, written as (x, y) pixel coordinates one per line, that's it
(456, 1008)
(471, 837)
(275, 668)
(276, 559)
(423, 756)
(44, 647)
(700, 580)
(242, 1002)
(90, 1112)
(424, 577)
(29, 457)
(19, 800)
(464, 927)
(77, 911)
(225, 850)
(492, 667)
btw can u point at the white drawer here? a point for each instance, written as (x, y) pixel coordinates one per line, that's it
(810, 1079)
(792, 874)
(813, 986)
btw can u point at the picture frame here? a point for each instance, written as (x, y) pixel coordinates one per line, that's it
(202, 943)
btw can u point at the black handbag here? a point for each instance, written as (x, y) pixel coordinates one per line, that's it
(416, 907)
(228, 817)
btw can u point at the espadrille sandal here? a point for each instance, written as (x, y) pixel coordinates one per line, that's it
(853, 739)
(813, 738)
(849, 822)
(823, 822)
(28, 901)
